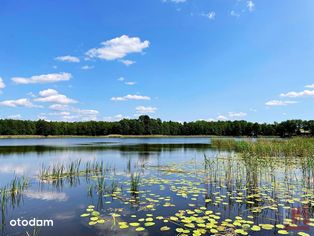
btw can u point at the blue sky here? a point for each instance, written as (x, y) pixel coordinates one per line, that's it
(177, 60)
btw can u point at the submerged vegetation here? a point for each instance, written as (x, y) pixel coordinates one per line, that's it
(295, 147)
(145, 125)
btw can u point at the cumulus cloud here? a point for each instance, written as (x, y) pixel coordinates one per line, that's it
(130, 97)
(145, 110)
(236, 114)
(48, 92)
(2, 84)
(279, 103)
(68, 58)
(127, 62)
(43, 79)
(23, 102)
(53, 96)
(121, 79)
(118, 48)
(58, 107)
(221, 117)
(298, 94)
(69, 113)
(81, 115)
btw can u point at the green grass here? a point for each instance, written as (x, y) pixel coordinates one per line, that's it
(295, 147)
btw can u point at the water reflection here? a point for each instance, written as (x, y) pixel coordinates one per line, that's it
(168, 184)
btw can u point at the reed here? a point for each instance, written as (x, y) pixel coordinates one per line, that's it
(35, 232)
(73, 169)
(135, 182)
(295, 147)
(12, 194)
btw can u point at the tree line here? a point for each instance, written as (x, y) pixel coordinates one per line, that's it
(145, 125)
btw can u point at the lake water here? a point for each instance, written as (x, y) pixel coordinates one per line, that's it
(150, 186)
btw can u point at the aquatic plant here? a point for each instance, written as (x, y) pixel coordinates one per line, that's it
(135, 182)
(257, 190)
(35, 232)
(72, 170)
(12, 194)
(294, 147)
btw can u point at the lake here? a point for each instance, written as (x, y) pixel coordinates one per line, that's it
(149, 186)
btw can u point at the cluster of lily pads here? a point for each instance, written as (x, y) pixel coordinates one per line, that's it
(223, 196)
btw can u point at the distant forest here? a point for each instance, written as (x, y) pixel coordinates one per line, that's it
(145, 125)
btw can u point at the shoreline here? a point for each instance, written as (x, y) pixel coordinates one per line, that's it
(122, 136)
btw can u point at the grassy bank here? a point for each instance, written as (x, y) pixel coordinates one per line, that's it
(295, 147)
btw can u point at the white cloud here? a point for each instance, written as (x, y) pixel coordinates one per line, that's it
(68, 58)
(15, 117)
(2, 84)
(298, 94)
(208, 120)
(127, 62)
(71, 113)
(145, 110)
(250, 5)
(118, 48)
(236, 114)
(61, 113)
(43, 79)
(42, 116)
(210, 15)
(86, 112)
(221, 117)
(31, 94)
(48, 92)
(23, 102)
(307, 86)
(58, 107)
(53, 96)
(86, 67)
(130, 83)
(115, 118)
(279, 103)
(121, 79)
(130, 97)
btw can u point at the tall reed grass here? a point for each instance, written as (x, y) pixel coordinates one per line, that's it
(295, 147)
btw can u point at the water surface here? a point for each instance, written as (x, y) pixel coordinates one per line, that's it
(177, 189)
